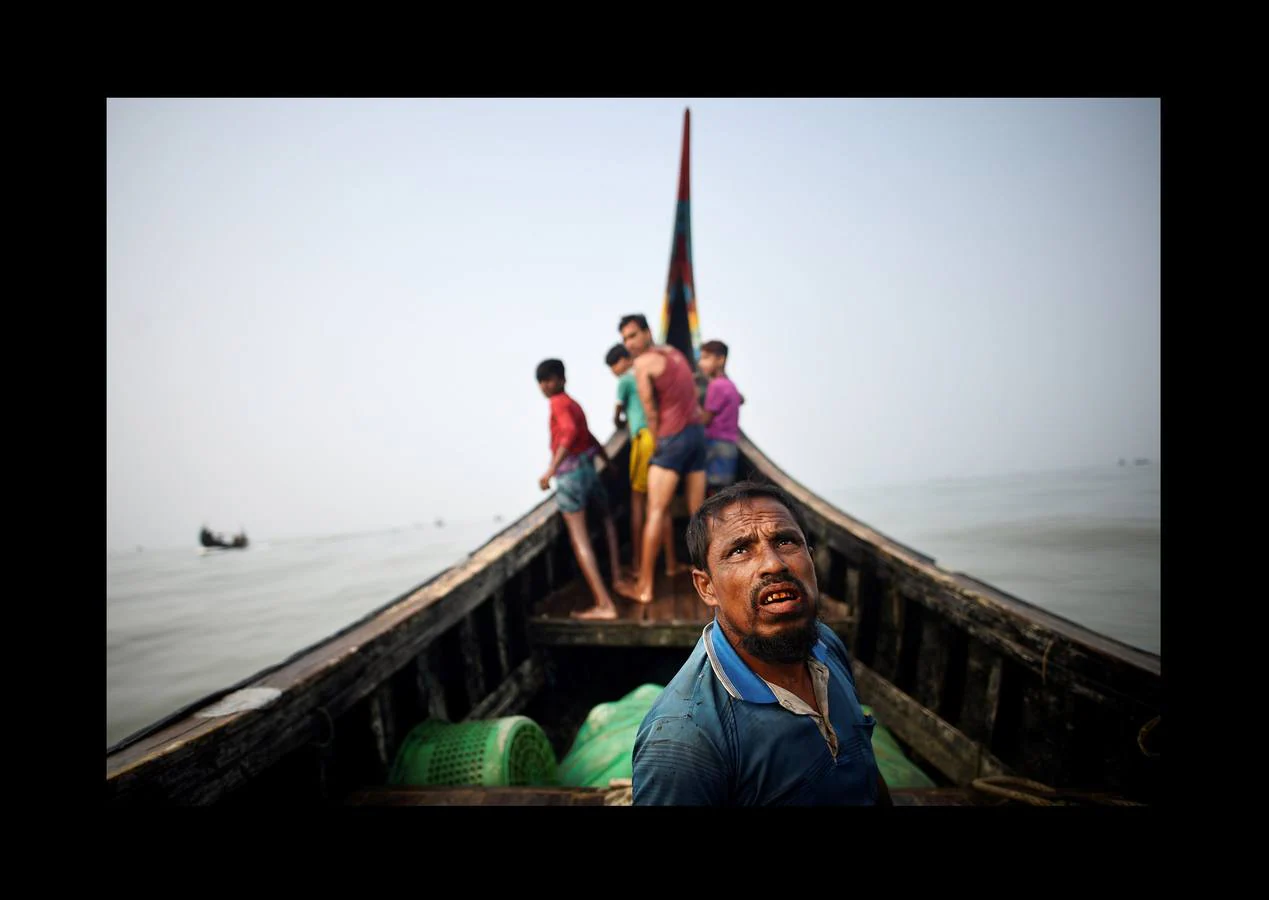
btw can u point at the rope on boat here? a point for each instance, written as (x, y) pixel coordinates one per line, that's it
(1141, 738)
(997, 785)
(1024, 790)
(330, 728)
(1044, 662)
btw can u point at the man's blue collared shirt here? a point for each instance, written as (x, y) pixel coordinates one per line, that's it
(718, 736)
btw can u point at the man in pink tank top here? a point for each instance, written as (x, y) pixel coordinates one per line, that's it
(667, 390)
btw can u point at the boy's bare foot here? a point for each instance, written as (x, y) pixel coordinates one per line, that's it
(677, 569)
(630, 590)
(595, 612)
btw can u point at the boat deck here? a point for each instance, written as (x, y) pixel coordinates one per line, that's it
(674, 619)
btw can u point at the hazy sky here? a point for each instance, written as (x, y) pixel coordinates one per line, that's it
(324, 315)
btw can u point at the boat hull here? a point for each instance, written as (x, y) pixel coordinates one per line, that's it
(975, 683)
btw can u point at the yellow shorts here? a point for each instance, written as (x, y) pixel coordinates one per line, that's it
(642, 446)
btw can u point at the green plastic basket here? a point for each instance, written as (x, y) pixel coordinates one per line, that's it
(604, 746)
(509, 751)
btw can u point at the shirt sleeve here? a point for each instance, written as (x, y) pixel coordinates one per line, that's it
(676, 764)
(714, 399)
(565, 427)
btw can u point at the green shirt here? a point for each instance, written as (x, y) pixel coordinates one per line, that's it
(628, 396)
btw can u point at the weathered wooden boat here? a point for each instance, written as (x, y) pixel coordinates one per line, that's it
(992, 696)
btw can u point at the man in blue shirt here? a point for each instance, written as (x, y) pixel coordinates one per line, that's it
(764, 711)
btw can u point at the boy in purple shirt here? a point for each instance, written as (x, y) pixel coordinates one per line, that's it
(722, 418)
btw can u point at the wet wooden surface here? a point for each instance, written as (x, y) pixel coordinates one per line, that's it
(675, 617)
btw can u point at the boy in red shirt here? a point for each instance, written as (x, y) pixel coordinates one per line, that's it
(577, 485)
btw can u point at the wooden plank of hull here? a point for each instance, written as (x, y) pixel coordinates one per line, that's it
(933, 675)
(383, 725)
(1062, 661)
(473, 669)
(870, 593)
(885, 660)
(936, 797)
(1045, 736)
(430, 686)
(674, 620)
(835, 613)
(520, 598)
(984, 670)
(565, 633)
(501, 630)
(945, 747)
(196, 760)
(512, 695)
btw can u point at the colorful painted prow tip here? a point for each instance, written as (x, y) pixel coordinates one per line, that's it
(680, 325)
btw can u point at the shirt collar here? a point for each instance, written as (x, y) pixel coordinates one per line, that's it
(735, 676)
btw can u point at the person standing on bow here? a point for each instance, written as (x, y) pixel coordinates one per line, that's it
(667, 390)
(577, 485)
(721, 417)
(629, 414)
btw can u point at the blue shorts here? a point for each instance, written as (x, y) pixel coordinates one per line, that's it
(721, 461)
(683, 452)
(579, 487)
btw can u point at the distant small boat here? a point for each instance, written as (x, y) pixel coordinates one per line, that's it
(1141, 462)
(440, 523)
(1122, 461)
(217, 541)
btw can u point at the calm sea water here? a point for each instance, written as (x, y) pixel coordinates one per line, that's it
(1083, 544)
(181, 624)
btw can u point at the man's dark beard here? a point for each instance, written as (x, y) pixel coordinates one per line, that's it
(787, 647)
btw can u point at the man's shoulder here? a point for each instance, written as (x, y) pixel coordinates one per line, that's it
(649, 359)
(836, 648)
(684, 726)
(681, 752)
(689, 693)
(720, 388)
(833, 641)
